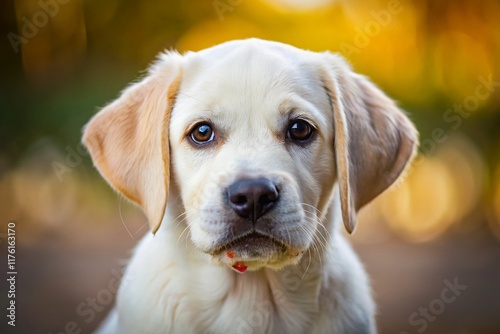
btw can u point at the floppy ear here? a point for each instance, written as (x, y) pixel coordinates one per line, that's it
(374, 139)
(128, 139)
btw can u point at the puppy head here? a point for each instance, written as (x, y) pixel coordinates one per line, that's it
(259, 133)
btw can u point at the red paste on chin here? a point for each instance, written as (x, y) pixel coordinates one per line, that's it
(240, 266)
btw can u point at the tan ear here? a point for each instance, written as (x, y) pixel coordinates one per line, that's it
(128, 139)
(374, 139)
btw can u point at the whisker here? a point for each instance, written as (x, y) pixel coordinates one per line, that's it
(307, 269)
(192, 97)
(121, 217)
(183, 216)
(179, 238)
(318, 221)
(320, 236)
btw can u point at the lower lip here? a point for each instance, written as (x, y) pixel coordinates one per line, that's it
(255, 244)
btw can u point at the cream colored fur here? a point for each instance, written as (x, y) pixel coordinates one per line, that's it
(179, 279)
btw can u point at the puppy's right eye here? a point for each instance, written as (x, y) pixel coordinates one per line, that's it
(300, 131)
(202, 134)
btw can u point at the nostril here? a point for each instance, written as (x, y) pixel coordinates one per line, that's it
(268, 198)
(238, 199)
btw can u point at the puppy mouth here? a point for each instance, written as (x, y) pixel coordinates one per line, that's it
(253, 250)
(255, 245)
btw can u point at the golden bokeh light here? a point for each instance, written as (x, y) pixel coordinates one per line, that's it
(439, 191)
(452, 48)
(301, 4)
(41, 196)
(418, 207)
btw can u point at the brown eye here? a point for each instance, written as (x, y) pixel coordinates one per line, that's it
(202, 134)
(300, 130)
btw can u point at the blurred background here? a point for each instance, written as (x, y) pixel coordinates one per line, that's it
(63, 59)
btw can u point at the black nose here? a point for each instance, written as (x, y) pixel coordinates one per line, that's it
(251, 198)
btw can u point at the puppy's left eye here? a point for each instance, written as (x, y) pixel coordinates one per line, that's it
(202, 134)
(300, 130)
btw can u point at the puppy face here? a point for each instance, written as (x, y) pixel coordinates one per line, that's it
(258, 134)
(251, 138)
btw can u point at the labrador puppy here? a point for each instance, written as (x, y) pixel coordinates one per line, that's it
(246, 159)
